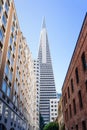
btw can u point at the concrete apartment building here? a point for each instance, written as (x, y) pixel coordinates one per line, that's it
(17, 79)
(53, 109)
(74, 90)
(37, 76)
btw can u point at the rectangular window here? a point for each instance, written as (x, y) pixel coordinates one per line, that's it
(4, 86)
(10, 75)
(6, 7)
(9, 54)
(76, 127)
(4, 20)
(11, 40)
(72, 86)
(67, 115)
(1, 35)
(70, 111)
(1, 4)
(77, 76)
(83, 61)
(6, 69)
(8, 91)
(74, 106)
(84, 125)
(86, 85)
(1, 107)
(68, 93)
(80, 99)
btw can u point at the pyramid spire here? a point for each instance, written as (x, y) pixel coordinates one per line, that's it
(43, 23)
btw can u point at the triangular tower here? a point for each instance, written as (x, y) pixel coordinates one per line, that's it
(47, 83)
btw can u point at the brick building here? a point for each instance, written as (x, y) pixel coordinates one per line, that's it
(74, 90)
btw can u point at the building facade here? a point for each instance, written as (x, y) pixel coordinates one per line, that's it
(47, 83)
(37, 76)
(74, 90)
(53, 109)
(60, 114)
(17, 79)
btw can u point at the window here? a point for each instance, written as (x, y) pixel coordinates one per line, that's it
(6, 88)
(6, 112)
(4, 85)
(76, 127)
(86, 84)
(80, 99)
(1, 107)
(77, 76)
(74, 106)
(66, 115)
(68, 93)
(70, 111)
(4, 20)
(6, 7)
(9, 54)
(12, 61)
(11, 40)
(72, 86)
(83, 125)
(1, 3)
(6, 69)
(83, 61)
(1, 35)
(8, 91)
(10, 75)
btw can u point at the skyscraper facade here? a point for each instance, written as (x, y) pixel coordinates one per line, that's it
(17, 79)
(47, 83)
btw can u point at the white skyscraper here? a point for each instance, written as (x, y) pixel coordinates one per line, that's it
(47, 83)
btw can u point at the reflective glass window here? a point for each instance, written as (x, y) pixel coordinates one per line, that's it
(10, 75)
(12, 61)
(1, 35)
(1, 107)
(4, 85)
(6, 112)
(9, 54)
(6, 69)
(8, 91)
(4, 20)
(11, 40)
(6, 7)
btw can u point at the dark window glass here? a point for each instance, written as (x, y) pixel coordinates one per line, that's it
(84, 125)
(77, 76)
(4, 20)
(72, 86)
(68, 93)
(70, 111)
(83, 61)
(86, 84)
(74, 106)
(80, 99)
(76, 127)
(1, 35)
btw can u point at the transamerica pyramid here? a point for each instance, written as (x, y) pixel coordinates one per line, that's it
(47, 82)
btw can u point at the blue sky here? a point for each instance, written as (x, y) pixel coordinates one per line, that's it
(64, 19)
